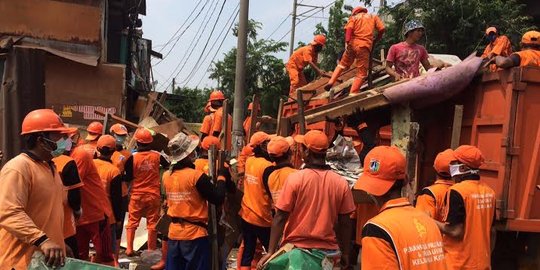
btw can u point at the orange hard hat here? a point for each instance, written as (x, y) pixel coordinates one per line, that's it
(258, 138)
(42, 120)
(143, 135)
(383, 166)
(531, 38)
(314, 140)
(278, 146)
(95, 127)
(118, 129)
(442, 162)
(358, 10)
(469, 155)
(491, 29)
(319, 40)
(208, 141)
(106, 141)
(216, 95)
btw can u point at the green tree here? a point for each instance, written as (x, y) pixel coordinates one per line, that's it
(457, 27)
(190, 103)
(265, 73)
(335, 35)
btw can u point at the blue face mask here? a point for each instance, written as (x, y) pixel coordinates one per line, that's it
(60, 146)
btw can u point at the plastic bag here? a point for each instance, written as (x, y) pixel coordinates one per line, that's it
(298, 259)
(38, 263)
(344, 160)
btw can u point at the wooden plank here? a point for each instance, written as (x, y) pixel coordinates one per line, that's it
(456, 126)
(254, 116)
(105, 122)
(149, 105)
(302, 120)
(212, 209)
(365, 104)
(159, 110)
(225, 125)
(119, 120)
(279, 130)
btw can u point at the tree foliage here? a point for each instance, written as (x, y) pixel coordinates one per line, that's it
(457, 27)
(265, 73)
(191, 104)
(335, 36)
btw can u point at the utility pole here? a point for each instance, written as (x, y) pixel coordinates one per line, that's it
(240, 80)
(293, 27)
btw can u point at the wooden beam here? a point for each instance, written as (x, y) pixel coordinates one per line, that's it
(364, 104)
(158, 111)
(254, 116)
(119, 120)
(302, 120)
(456, 126)
(279, 130)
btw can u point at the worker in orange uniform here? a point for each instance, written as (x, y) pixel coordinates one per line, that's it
(301, 58)
(188, 193)
(256, 208)
(528, 56)
(274, 176)
(201, 163)
(431, 199)
(93, 223)
(94, 129)
(142, 169)
(400, 236)
(111, 179)
(247, 121)
(31, 195)
(208, 120)
(470, 213)
(67, 168)
(216, 102)
(404, 58)
(359, 32)
(499, 45)
(316, 196)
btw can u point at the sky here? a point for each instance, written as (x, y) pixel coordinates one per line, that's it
(188, 62)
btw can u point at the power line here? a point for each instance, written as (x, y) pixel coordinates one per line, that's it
(231, 23)
(277, 28)
(198, 62)
(193, 44)
(179, 28)
(178, 38)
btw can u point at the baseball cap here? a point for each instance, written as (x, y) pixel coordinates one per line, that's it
(314, 140)
(258, 138)
(383, 166)
(469, 155)
(442, 161)
(278, 146)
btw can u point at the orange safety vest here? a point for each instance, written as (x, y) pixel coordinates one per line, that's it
(185, 201)
(107, 172)
(529, 57)
(474, 250)
(431, 201)
(146, 173)
(406, 239)
(276, 180)
(69, 220)
(256, 208)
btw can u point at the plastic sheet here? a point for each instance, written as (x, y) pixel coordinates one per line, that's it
(344, 160)
(298, 259)
(38, 263)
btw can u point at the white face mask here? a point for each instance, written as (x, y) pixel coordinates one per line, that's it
(455, 169)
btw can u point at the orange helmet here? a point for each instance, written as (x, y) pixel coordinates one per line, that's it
(42, 120)
(208, 141)
(106, 141)
(319, 40)
(358, 10)
(143, 135)
(216, 95)
(95, 127)
(531, 38)
(118, 129)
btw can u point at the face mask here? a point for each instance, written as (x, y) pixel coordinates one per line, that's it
(59, 146)
(69, 144)
(120, 140)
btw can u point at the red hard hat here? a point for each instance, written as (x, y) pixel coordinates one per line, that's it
(42, 120)
(95, 127)
(319, 40)
(143, 135)
(216, 95)
(118, 129)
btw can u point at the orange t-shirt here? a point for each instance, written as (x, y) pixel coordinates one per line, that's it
(529, 57)
(301, 57)
(185, 201)
(69, 220)
(364, 212)
(256, 208)
(431, 199)
(93, 196)
(500, 47)
(364, 25)
(31, 199)
(217, 125)
(276, 181)
(207, 123)
(119, 159)
(314, 198)
(107, 172)
(402, 237)
(146, 173)
(472, 203)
